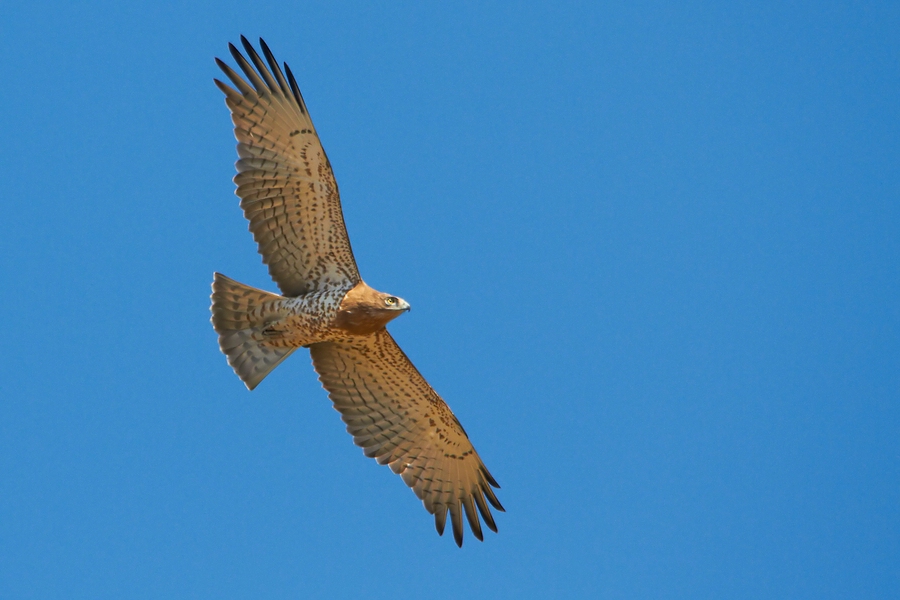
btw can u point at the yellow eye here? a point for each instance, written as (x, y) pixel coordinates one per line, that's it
(390, 301)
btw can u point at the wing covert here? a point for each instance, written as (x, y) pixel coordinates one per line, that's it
(287, 188)
(400, 421)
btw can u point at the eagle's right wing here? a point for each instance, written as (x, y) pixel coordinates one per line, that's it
(287, 189)
(399, 420)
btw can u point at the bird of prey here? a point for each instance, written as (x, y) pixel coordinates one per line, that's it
(289, 195)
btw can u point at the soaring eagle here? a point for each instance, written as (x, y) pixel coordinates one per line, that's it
(289, 195)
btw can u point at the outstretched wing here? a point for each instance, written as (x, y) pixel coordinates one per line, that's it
(399, 420)
(285, 182)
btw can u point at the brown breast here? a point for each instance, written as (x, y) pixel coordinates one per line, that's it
(362, 311)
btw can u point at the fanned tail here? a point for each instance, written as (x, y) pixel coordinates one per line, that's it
(240, 316)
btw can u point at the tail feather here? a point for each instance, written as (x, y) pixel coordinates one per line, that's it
(240, 314)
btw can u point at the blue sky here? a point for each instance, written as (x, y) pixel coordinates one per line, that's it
(653, 254)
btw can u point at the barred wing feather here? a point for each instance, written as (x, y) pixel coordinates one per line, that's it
(399, 420)
(285, 182)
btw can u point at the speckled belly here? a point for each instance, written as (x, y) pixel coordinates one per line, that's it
(300, 321)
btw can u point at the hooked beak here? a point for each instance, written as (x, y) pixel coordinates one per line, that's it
(404, 305)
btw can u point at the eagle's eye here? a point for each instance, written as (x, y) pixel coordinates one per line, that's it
(390, 301)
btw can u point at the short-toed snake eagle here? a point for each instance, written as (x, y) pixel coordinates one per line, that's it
(289, 195)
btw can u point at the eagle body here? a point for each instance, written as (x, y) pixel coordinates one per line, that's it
(290, 198)
(257, 329)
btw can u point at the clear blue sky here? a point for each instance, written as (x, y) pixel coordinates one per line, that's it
(654, 256)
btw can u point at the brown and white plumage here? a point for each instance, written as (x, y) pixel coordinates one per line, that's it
(400, 421)
(289, 195)
(284, 180)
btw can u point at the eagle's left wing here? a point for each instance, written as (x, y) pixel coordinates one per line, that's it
(285, 182)
(399, 420)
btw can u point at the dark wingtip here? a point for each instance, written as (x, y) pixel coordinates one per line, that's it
(485, 511)
(490, 478)
(294, 88)
(248, 47)
(223, 87)
(492, 498)
(472, 517)
(456, 521)
(276, 70)
(440, 519)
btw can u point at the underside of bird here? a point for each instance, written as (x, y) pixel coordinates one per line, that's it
(258, 330)
(290, 198)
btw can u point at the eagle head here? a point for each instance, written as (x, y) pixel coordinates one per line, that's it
(364, 310)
